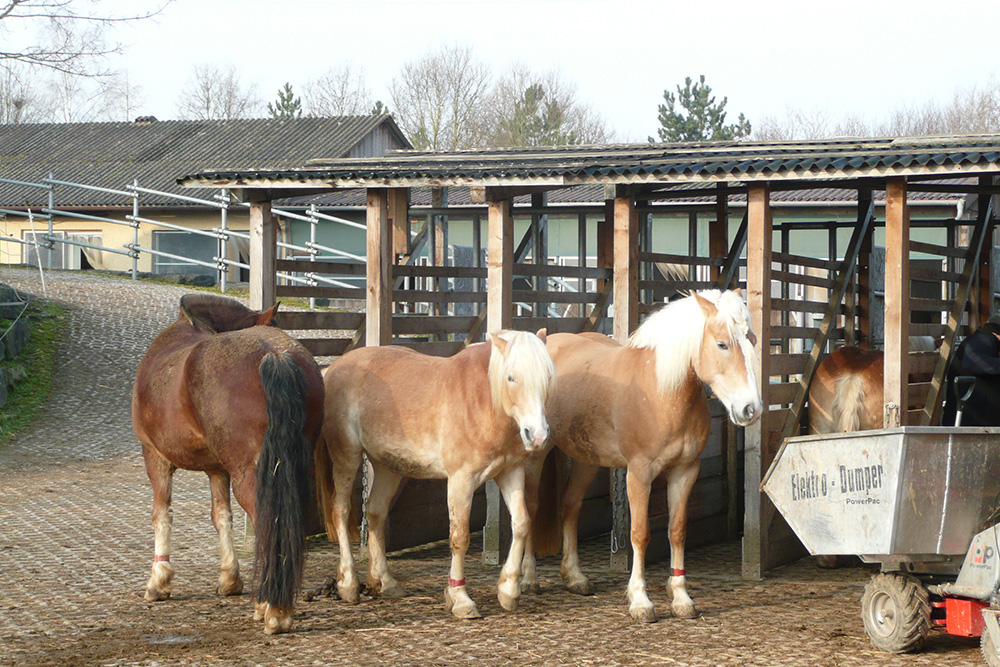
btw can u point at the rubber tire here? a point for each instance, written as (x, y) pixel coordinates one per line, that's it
(896, 612)
(990, 653)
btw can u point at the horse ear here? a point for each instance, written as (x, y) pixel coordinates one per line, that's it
(267, 317)
(752, 338)
(707, 306)
(543, 333)
(499, 343)
(738, 292)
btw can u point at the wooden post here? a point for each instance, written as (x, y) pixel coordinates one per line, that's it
(606, 236)
(863, 336)
(758, 449)
(626, 319)
(378, 302)
(399, 218)
(985, 288)
(499, 315)
(263, 255)
(897, 299)
(718, 230)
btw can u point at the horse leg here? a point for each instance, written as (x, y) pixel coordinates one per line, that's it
(345, 471)
(680, 481)
(532, 477)
(511, 485)
(230, 582)
(456, 597)
(384, 485)
(161, 476)
(637, 484)
(580, 477)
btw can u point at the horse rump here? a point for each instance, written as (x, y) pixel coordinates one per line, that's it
(283, 484)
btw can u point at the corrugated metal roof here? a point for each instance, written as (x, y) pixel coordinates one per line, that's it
(111, 155)
(704, 162)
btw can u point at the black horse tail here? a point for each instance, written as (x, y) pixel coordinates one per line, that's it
(283, 484)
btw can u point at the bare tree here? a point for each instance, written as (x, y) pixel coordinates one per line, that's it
(75, 99)
(213, 94)
(64, 35)
(437, 99)
(797, 124)
(18, 102)
(339, 92)
(531, 109)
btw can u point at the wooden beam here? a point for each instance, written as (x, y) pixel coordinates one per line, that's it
(626, 268)
(263, 255)
(729, 275)
(500, 261)
(605, 240)
(399, 218)
(897, 297)
(718, 229)
(378, 302)
(757, 449)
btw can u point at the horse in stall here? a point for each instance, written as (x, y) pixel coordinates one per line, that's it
(845, 393)
(221, 391)
(467, 418)
(642, 406)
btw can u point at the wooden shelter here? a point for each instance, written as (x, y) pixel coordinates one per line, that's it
(836, 303)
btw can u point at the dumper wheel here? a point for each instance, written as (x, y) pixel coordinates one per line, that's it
(990, 653)
(896, 612)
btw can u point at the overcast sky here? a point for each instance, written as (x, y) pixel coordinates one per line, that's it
(842, 57)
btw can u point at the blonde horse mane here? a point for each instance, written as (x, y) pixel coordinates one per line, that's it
(675, 332)
(527, 360)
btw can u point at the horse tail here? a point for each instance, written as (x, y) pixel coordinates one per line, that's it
(283, 484)
(327, 492)
(848, 403)
(546, 525)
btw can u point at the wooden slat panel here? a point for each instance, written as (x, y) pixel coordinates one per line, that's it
(326, 347)
(918, 394)
(557, 271)
(782, 393)
(322, 266)
(931, 249)
(800, 306)
(923, 362)
(445, 349)
(448, 296)
(680, 259)
(801, 279)
(420, 271)
(404, 325)
(321, 292)
(934, 275)
(930, 305)
(801, 260)
(788, 364)
(551, 324)
(555, 297)
(300, 320)
(935, 330)
(674, 285)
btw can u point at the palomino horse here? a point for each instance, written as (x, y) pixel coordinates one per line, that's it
(222, 392)
(845, 393)
(642, 406)
(467, 418)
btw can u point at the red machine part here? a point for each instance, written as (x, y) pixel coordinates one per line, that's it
(963, 617)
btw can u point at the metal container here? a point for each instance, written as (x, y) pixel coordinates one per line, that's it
(904, 492)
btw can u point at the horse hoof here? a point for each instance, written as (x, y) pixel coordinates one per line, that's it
(155, 595)
(684, 610)
(581, 587)
(643, 614)
(259, 611)
(508, 602)
(392, 589)
(530, 586)
(349, 593)
(229, 586)
(459, 608)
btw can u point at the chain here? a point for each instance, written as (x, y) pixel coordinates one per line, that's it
(619, 510)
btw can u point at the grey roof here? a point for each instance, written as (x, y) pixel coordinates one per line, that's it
(701, 162)
(156, 153)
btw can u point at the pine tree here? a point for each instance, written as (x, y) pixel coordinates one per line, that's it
(378, 109)
(702, 119)
(287, 105)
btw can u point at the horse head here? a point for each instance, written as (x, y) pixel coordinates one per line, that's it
(216, 314)
(725, 360)
(520, 373)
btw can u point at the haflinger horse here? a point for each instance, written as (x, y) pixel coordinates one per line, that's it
(845, 393)
(642, 406)
(222, 392)
(467, 418)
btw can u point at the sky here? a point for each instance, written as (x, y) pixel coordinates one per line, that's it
(837, 57)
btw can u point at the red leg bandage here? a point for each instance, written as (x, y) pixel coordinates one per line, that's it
(455, 583)
(679, 572)
(161, 559)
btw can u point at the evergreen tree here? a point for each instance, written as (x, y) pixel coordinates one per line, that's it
(536, 119)
(700, 117)
(378, 109)
(287, 105)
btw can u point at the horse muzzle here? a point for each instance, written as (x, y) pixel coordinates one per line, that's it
(748, 414)
(534, 439)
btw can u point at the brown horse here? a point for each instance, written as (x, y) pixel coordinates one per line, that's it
(642, 406)
(467, 418)
(845, 393)
(222, 392)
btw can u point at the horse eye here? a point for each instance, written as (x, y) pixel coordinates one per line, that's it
(510, 378)
(722, 345)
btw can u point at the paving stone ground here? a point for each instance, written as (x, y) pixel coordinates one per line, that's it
(76, 547)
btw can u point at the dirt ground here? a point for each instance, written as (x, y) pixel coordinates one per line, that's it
(76, 548)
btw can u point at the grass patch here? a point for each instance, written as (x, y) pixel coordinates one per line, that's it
(48, 323)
